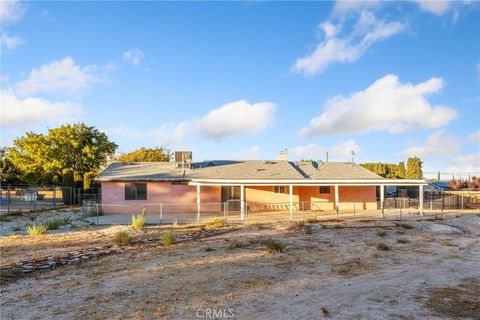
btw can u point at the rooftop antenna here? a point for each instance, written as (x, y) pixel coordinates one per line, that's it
(353, 156)
(326, 157)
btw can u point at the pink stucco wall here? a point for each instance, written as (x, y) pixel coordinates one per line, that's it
(183, 198)
(174, 198)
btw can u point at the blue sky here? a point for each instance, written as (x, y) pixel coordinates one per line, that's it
(245, 80)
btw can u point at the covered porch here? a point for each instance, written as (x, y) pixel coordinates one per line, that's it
(300, 199)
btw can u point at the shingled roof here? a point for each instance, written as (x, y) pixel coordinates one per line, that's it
(235, 170)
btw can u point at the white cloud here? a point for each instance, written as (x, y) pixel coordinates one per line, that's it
(386, 105)
(10, 42)
(11, 11)
(169, 133)
(438, 7)
(341, 151)
(367, 31)
(344, 6)
(475, 137)
(24, 113)
(466, 163)
(236, 118)
(57, 76)
(165, 134)
(134, 56)
(252, 153)
(438, 144)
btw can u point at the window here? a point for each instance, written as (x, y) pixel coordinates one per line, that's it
(135, 191)
(324, 189)
(279, 189)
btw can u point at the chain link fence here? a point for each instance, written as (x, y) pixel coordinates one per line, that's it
(393, 208)
(25, 198)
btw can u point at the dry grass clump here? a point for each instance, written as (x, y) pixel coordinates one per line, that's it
(122, 237)
(169, 238)
(381, 233)
(307, 229)
(35, 230)
(312, 220)
(54, 224)
(295, 226)
(403, 240)
(353, 267)
(274, 246)
(214, 224)
(382, 246)
(403, 225)
(138, 221)
(237, 245)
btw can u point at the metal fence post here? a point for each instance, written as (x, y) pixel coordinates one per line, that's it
(55, 198)
(336, 208)
(97, 214)
(8, 199)
(354, 209)
(462, 201)
(161, 212)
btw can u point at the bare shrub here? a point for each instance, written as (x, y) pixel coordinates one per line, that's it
(138, 221)
(274, 246)
(169, 238)
(382, 246)
(381, 233)
(35, 230)
(122, 237)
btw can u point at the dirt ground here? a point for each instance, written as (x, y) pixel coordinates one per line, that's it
(329, 270)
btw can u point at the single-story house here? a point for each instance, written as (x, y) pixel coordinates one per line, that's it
(250, 184)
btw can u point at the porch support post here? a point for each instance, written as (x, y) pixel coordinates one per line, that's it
(420, 195)
(242, 202)
(290, 189)
(198, 202)
(382, 198)
(336, 198)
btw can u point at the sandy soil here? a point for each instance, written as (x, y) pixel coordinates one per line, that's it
(333, 272)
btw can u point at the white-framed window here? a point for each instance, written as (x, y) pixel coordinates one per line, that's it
(279, 189)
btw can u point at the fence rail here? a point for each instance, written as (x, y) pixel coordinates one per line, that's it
(22, 198)
(392, 208)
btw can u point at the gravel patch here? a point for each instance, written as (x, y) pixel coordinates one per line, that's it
(438, 228)
(17, 225)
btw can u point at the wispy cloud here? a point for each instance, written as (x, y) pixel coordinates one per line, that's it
(334, 48)
(134, 56)
(10, 42)
(438, 7)
(340, 151)
(385, 105)
(438, 144)
(11, 11)
(252, 153)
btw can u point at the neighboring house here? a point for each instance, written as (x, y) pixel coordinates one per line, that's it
(247, 184)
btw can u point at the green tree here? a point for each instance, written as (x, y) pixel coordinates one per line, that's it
(8, 172)
(414, 168)
(146, 155)
(401, 171)
(41, 158)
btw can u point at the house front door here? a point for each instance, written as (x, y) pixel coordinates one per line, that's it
(232, 195)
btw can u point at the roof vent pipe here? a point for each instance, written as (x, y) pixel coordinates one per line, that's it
(326, 160)
(282, 155)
